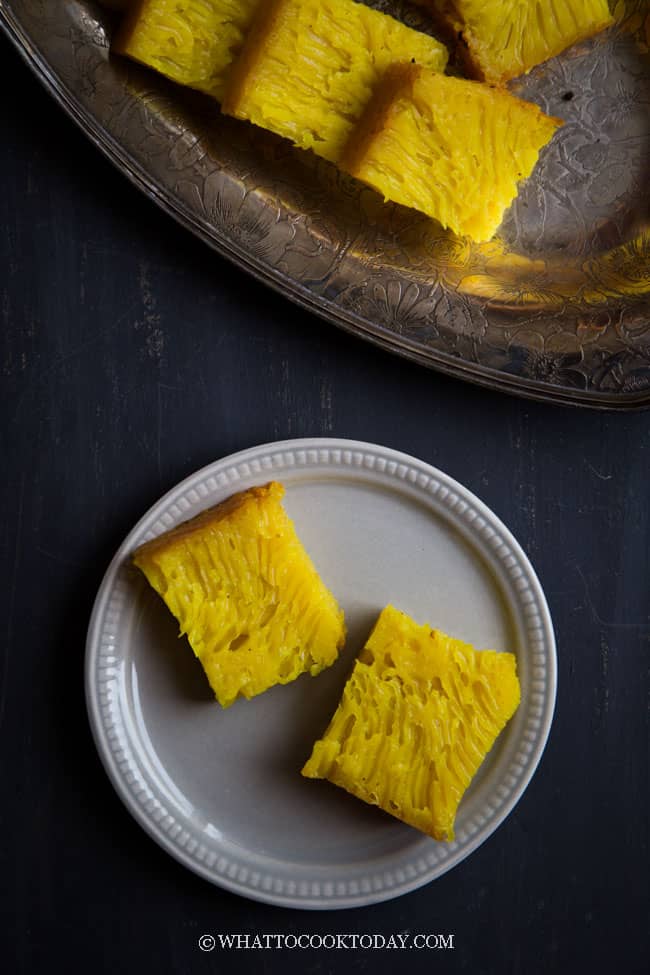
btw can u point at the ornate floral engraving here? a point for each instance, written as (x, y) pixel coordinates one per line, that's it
(558, 306)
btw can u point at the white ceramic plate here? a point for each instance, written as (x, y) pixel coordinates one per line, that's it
(221, 790)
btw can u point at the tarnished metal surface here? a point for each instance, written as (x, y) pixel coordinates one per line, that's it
(557, 307)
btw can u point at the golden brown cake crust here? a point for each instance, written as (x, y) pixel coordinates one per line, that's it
(122, 38)
(253, 49)
(448, 26)
(377, 112)
(210, 517)
(450, 23)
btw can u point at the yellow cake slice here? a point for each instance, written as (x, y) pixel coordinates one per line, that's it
(418, 715)
(450, 148)
(501, 39)
(193, 42)
(308, 68)
(244, 590)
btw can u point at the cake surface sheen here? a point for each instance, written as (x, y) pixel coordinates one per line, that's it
(451, 148)
(419, 713)
(502, 39)
(192, 42)
(245, 592)
(309, 67)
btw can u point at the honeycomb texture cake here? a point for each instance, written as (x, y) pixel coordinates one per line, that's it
(193, 42)
(451, 148)
(501, 39)
(246, 593)
(418, 715)
(308, 68)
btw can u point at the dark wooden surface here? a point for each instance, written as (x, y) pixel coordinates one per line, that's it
(132, 355)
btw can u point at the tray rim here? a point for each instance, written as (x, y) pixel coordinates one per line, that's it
(242, 464)
(286, 286)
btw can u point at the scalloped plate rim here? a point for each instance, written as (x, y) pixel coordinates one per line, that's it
(245, 460)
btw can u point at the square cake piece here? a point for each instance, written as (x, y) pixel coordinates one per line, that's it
(308, 68)
(193, 42)
(501, 39)
(450, 148)
(418, 715)
(244, 590)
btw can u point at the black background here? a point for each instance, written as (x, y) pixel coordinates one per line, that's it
(131, 356)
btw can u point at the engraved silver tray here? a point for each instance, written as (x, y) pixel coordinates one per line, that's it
(557, 307)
